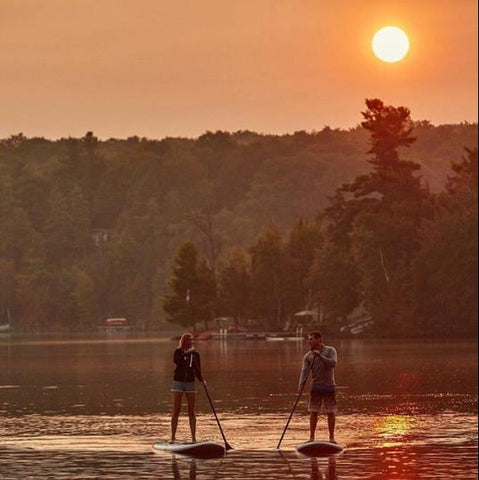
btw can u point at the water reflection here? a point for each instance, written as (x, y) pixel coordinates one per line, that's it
(116, 377)
(324, 469)
(404, 463)
(254, 465)
(395, 429)
(176, 470)
(330, 474)
(6, 339)
(363, 464)
(95, 408)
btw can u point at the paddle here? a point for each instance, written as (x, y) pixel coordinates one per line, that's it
(227, 445)
(296, 403)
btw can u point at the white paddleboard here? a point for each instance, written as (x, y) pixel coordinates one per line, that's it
(317, 449)
(201, 449)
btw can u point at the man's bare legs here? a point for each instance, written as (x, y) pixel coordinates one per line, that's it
(331, 426)
(177, 396)
(313, 422)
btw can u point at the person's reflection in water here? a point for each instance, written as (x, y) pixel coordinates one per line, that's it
(332, 474)
(316, 472)
(176, 469)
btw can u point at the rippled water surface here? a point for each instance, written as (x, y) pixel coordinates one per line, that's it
(92, 409)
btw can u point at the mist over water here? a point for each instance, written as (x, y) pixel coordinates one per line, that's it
(92, 409)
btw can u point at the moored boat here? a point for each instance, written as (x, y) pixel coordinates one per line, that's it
(115, 326)
(5, 328)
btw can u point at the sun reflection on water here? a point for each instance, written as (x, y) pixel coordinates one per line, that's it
(393, 430)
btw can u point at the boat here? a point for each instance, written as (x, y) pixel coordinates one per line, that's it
(286, 336)
(115, 326)
(357, 322)
(320, 448)
(360, 327)
(255, 336)
(197, 450)
(6, 327)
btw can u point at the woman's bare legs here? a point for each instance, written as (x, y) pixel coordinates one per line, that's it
(177, 396)
(191, 399)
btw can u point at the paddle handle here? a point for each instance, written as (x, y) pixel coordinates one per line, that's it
(295, 404)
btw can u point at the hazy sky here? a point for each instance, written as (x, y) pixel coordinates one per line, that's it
(160, 68)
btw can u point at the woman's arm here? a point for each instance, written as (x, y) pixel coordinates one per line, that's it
(178, 356)
(197, 366)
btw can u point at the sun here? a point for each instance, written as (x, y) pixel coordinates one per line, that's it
(390, 44)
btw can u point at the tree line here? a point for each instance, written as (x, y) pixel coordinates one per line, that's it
(384, 243)
(89, 228)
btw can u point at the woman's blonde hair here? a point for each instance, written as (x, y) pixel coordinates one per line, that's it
(184, 338)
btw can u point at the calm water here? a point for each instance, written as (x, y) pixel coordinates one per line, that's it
(92, 409)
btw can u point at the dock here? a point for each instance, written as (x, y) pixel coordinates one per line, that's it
(223, 334)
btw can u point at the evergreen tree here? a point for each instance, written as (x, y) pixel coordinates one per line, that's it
(334, 281)
(446, 267)
(377, 219)
(206, 295)
(8, 289)
(304, 239)
(267, 277)
(235, 284)
(392, 178)
(183, 305)
(16, 231)
(67, 234)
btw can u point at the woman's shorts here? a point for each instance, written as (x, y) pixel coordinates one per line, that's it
(183, 387)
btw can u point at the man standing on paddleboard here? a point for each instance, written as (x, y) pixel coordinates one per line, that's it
(320, 361)
(188, 367)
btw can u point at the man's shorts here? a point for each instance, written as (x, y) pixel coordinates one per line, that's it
(183, 387)
(323, 395)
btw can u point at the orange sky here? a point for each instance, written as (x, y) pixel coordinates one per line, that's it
(180, 67)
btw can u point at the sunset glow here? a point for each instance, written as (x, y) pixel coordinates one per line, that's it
(181, 69)
(390, 44)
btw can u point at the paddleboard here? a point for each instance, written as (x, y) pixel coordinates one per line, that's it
(317, 449)
(200, 450)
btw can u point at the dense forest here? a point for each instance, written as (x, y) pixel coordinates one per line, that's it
(252, 226)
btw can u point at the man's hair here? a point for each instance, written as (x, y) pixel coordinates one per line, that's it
(316, 335)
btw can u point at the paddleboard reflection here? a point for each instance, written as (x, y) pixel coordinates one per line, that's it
(254, 464)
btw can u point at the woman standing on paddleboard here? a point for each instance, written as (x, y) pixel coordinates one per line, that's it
(188, 367)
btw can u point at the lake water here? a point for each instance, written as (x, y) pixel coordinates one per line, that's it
(92, 409)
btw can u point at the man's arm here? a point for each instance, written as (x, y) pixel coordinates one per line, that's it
(304, 371)
(331, 359)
